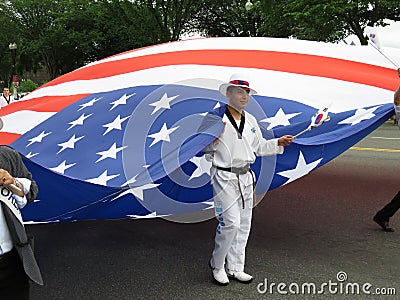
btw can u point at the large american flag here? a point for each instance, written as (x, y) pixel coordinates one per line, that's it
(122, 137)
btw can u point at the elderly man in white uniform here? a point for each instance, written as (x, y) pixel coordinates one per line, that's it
(232, 180)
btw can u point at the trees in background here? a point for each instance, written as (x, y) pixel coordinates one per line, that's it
(62, 35)
(332, 20)
(227, 18)
(5, 55)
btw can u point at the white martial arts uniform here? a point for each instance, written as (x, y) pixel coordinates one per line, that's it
(4, 102)
(233, 212)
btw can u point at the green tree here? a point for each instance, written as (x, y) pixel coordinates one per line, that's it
(27, 86)
(6, 37)
(172, 18)
(227, 18)
(123, 25)
(333, 20)
(62, 35)
(41, 36)
(276, 21)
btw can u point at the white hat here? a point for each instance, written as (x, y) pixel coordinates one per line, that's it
(236, 80)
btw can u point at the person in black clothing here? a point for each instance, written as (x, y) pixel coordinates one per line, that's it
(382, 217)
(18, 265)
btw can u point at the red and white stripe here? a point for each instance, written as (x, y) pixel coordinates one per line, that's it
(314, 73)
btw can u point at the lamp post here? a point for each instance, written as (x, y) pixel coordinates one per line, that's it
(248, 5)
(13, 49)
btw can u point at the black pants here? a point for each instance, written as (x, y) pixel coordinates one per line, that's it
(14, 283)
(390, 209)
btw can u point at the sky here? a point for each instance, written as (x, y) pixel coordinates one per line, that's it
(389, 36)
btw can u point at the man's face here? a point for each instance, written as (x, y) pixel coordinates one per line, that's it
(238, 97)
(6, 92)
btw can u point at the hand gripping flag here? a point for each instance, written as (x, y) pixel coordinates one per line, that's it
(123, 137)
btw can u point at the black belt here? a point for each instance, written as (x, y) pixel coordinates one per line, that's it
(240, 171)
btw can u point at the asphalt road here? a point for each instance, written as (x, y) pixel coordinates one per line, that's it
(316, 230)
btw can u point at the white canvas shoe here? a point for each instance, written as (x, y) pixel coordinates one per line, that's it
(240, 276)
(220, 276)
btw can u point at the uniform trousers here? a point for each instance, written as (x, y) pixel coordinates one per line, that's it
(234, 222)
(14, 283)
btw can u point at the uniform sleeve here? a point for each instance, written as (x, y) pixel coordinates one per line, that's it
(267, 147)
(33, 189)
(21, 201)
(26, 184)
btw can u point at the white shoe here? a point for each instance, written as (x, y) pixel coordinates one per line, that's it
(240, 276)
(220, 276)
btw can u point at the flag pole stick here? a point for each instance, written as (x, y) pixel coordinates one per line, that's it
(300, 133)
(15, 187)
(372, 44)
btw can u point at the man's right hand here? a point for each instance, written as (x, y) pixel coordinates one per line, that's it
(286, 140)
(7, 180)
